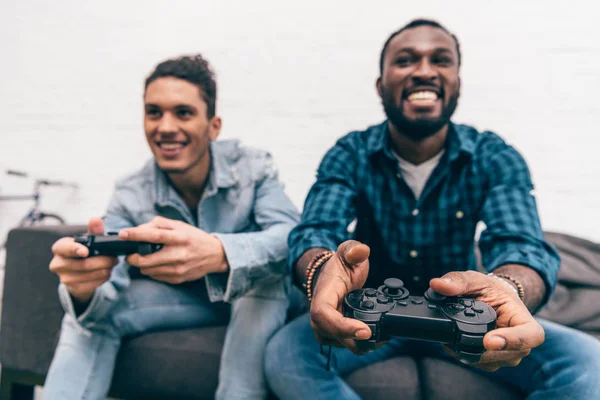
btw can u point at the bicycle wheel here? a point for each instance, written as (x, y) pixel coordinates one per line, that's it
(48, 219)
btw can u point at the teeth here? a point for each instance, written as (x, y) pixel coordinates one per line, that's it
(423, 95)
(171, 146)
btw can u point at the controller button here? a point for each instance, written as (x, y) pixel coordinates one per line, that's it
(416, 301)
(471, 341)
(466, 302)
(477, 308)
(469, 313)
(432, 306)
(458, 307)
(370, 292)
(373, 329)
(402, 303)
(383, 299)
(368, 304)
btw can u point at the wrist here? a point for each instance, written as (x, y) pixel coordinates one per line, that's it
(514, 284)
(221, 265)
(312, 271)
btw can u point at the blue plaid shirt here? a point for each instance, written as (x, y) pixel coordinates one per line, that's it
(479, 178)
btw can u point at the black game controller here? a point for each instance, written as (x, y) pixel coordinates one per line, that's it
(111, 245)
(390, 311)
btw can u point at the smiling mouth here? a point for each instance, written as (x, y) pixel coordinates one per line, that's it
(171, 146)
(423, 95)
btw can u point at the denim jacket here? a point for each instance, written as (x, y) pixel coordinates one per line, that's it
(243, 204)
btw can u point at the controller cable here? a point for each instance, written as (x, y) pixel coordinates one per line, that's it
(328, 355)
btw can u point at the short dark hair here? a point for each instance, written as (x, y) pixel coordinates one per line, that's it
(413, 24)
(194, 69)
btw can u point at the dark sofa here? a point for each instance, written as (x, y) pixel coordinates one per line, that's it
(183, 364)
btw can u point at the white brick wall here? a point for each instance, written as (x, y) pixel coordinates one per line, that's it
(292, 78)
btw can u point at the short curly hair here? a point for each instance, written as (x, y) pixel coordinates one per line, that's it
(414, 24)
(194, 69)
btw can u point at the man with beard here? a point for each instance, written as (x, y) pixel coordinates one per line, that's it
(416, 186)
(222, 216)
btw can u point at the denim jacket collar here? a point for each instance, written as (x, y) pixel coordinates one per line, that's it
(222, 175)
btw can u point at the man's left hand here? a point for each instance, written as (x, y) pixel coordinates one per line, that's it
(518, 332)
(188, 253)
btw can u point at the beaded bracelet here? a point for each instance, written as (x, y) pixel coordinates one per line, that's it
(315, 264)
(520, 291)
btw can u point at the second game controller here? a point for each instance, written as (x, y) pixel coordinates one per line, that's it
(390, 311)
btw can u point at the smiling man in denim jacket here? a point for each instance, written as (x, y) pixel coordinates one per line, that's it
(223, 218)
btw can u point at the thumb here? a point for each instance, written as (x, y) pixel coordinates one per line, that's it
(96, 226)
(456, 283)
(353, 253)
(164, 223)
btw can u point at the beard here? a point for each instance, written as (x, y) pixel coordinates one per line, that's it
(419, 128)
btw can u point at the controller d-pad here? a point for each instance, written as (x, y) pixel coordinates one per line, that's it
(466, 302)
(477, 308)
(458, 307)
(469, 313)
(370, 292)
(368, 304)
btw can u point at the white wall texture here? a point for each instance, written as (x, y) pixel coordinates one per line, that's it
(293, 77)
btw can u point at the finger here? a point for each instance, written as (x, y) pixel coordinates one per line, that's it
(62, 265)
(326, 318)
(166, 256)
(503, 356)
(460, 283)
(164, 223)
(74, 278)
(352, 253)
(148, 233)
(67, 248)
(163, 270)
(493, 359)
(96, 226)
(520, 337)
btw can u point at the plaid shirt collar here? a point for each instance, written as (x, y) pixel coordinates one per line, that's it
(457, 144)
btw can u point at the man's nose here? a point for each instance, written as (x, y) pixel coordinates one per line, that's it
(167, 124)
(424, 71)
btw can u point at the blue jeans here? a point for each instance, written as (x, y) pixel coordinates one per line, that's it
(566, 366)
(84, 360)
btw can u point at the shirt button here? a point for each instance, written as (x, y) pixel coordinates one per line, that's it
(416, 278)
(415, 212)
(413, 253)
(399, 175)
(460, 214)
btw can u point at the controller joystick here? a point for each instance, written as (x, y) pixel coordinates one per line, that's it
(434, 296)
(394, 285)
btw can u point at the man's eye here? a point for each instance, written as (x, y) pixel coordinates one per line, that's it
(443, 61)
(184, 113)
(153, 113)
(403, 61)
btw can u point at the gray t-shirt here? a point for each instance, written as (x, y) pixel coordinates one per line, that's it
(416, 176)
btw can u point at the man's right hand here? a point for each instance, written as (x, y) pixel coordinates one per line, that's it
(81, 275)
(345, 271)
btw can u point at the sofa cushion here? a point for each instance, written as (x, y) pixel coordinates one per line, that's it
(396, 378)
(171, 364)
(443, 379)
